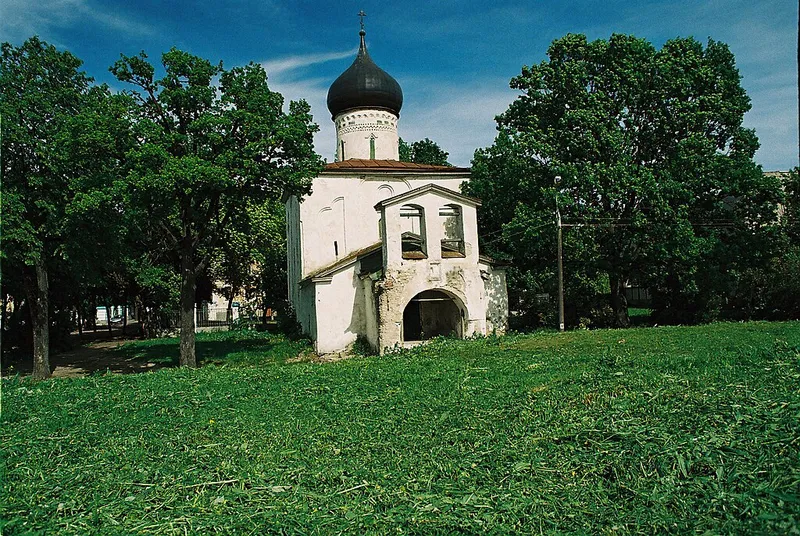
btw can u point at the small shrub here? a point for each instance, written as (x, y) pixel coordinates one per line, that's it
(362, 347)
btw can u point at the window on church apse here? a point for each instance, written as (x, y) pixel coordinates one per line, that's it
(412, 224)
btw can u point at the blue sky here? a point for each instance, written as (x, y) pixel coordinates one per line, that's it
(453, 59)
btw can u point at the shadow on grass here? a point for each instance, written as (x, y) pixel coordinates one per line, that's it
(164, 353)
(640, 317)
(130, 357)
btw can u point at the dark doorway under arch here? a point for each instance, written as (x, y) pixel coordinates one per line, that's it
(432, 313)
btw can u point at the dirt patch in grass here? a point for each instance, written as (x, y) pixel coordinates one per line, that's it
(92, 358)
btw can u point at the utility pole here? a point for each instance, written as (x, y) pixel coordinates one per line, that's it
(560, 263)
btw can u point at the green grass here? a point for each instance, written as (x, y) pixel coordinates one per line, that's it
(663, 430)
(219, 348)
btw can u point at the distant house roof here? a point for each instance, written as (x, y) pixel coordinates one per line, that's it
(430, 187)
(361, 164)
(328, 270)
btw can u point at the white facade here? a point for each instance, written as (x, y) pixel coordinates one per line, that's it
(367, 133)
(348, 275)
(386, 250)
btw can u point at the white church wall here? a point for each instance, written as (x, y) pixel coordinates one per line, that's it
(430, 202)
(368, 134)
(370, 313)
(459, 277)
(340, 209)
(340, 310)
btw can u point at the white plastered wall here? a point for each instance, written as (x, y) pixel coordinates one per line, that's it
(341, 314)
(341, 209)
(356, 127)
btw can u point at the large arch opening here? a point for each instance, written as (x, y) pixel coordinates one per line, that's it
(432, 313)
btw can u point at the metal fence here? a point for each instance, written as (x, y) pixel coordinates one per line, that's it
(638, 296)
(215, 317)
(206, 318)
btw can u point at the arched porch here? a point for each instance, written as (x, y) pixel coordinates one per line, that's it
(432, 313)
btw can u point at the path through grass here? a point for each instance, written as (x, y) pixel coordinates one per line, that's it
(679, 430)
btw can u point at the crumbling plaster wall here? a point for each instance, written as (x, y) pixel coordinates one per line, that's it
(405, 278)
(496, 292)
(398, 287)
(370, 311)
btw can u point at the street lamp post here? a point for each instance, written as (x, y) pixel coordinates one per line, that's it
(560, 264)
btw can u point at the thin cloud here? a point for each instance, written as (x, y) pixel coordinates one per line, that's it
(460, 121)
(315, 92)
(291, 63)
(22, 19)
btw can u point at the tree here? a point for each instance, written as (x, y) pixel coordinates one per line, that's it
(252, 257)
(652, 158)
(791, 210)
(423, 152)
(205, 152)
(43, 96)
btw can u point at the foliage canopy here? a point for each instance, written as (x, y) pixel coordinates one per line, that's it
(424, 151)
(656, 173)
(206, 152)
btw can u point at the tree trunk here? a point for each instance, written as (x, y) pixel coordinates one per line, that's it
(124, 317)
(4, 317)
(618, 302)
(36, 287)
(141, 315)
(188, 287)
(108, 317)
(93, 312)
(229, 311)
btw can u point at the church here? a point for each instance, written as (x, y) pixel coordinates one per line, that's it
(383, 250)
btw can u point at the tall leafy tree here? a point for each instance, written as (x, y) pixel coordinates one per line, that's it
(44, 98)
(651, 155)
(252, 255)
(204, 152)
(423, 152)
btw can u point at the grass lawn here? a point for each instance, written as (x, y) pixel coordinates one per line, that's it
(661, 430)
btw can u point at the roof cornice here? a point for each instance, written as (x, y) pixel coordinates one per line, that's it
(428, 188)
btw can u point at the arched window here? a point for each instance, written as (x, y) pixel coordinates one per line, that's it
(412, 225)
(452, 231)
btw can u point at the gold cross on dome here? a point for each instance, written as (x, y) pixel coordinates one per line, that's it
(361, 16)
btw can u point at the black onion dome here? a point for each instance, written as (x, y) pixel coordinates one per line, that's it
(364, 85)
